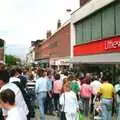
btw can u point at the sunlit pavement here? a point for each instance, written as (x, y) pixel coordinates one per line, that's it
(48, 117)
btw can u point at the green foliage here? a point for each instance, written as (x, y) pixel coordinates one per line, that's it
(11, 60)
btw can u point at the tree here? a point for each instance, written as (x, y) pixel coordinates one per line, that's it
(11, 60)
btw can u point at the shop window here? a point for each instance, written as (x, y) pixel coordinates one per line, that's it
(108, 23)
(87, 30)
(117, 18)
(96, 26)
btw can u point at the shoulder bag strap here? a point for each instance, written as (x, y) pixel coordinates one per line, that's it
(64, 102)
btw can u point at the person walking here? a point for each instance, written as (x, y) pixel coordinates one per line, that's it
(117, 92)
(57, 88)
(85, 94)
(95, 85)
(106, 93)
(69, 103)
(41, 88)
(49, 107)
(7, 101)
(19, 100)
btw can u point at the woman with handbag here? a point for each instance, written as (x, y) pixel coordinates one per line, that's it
(68, 100)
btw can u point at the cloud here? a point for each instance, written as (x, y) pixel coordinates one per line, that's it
(17, 50)
(23, 21)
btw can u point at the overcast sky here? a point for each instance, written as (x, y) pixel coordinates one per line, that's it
(22, 21)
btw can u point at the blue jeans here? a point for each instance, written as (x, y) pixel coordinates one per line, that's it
(41, 100)
(106, 112)
(85, 102)
(118, 111)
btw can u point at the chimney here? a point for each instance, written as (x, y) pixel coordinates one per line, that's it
(59, 24)
(49, 33)
(83, 2)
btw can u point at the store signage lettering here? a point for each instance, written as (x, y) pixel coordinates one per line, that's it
(112, 45)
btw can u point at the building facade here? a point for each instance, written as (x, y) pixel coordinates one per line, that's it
(30, 58)
(55, 50)
(95, 32)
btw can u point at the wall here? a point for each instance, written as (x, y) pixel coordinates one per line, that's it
(58, 45)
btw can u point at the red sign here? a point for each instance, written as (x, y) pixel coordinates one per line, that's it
(108, 45)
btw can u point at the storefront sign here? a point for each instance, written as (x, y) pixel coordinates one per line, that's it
(109, 45)
(112, 45)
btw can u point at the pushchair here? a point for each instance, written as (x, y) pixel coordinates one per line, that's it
(97, 108)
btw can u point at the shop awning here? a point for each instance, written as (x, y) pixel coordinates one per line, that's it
(110, 58)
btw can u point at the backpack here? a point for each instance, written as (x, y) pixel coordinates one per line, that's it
(85, 91)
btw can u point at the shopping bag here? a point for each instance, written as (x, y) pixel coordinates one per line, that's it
(80, 116)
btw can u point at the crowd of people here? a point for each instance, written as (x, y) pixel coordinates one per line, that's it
(63, 93)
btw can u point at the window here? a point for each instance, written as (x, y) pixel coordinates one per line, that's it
(117, 18)
(96, 26)
(87, 30)
(79, 33)
(108, 23)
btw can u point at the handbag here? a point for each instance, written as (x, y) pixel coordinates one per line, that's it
(62, 113)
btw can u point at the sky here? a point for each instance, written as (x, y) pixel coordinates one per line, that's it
(23, 21)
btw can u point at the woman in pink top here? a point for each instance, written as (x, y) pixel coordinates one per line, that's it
(85, 93)
(57, 88)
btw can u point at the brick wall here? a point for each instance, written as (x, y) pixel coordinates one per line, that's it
(58, 45)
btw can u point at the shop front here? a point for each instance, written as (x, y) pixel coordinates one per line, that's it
(96, 56)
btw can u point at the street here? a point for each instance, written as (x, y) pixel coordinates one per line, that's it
(48, 117)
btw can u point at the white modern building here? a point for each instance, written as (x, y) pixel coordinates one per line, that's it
(95, 32)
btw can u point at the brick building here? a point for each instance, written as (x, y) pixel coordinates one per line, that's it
(56, 49)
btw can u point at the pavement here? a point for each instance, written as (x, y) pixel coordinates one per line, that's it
(51, 117)
(48, 117)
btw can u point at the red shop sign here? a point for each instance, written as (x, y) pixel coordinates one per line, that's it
(108, 45)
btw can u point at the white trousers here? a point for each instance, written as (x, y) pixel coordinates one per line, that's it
(71, 116)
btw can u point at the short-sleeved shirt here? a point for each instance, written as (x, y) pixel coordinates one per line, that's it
(16, 114)
(107, 90)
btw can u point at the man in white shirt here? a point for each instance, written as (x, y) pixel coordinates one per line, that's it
(95, 85)
(19, 100)
(7, 101)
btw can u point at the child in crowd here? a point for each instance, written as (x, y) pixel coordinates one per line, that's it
(7, 101)
(69, 102)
